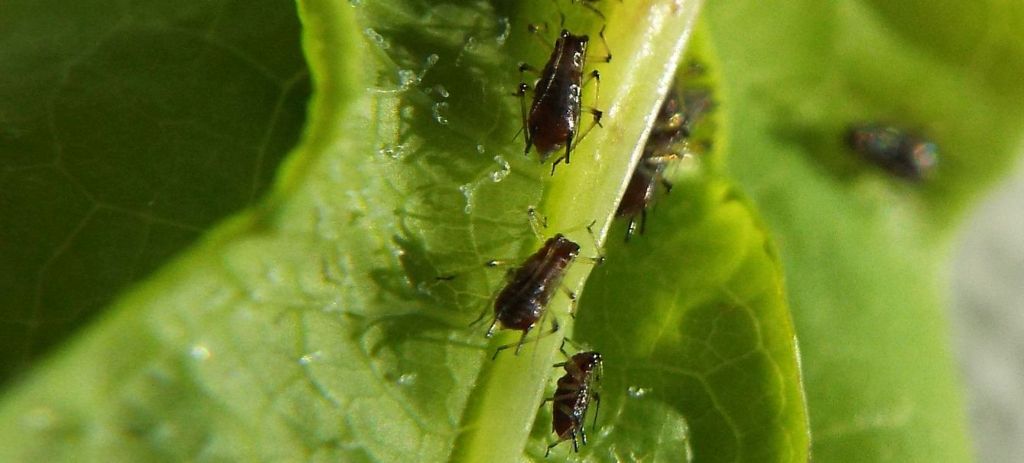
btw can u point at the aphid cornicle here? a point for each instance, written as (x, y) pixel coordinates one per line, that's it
(576, 389)
(901, 153)
(553, 119)
(524, 299)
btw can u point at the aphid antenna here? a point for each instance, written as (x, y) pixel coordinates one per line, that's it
(561, 14)
(536, 29)
(574, 344)
(588, 4)
(521, 94)
(538, 223)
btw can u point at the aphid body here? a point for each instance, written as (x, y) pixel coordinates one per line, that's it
(554, 116)
(523, 301)
(674, 123)
(576, 389)
(895, 150)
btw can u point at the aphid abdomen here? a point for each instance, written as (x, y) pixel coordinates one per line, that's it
(563, 422)
(516, 313)
(550, 129)
(638, 194)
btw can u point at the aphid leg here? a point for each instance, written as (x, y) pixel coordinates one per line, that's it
(608, 51)
(575, 445)
(659, 160)
(597, 407)
(568, 150)
(522, 339)
(521, 94)
(493, 263)
(597, 114)
(631, 228)
(595, 77)
(673, 124)
(561, 349)
(667, 185)
(537, 222)
(572, 300)
(483, 315)
(553, 445)
(583, 434)
(643, 221)
(597, 246)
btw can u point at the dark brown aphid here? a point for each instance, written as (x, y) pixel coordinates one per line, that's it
(657, 153)
(674, 123)
(524, 299)
(553, 119)
(901, 153)
(576, 389)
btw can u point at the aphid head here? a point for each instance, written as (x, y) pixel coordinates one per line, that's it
(562, 245)
(576, 41)
(925, 155)
(588, 362)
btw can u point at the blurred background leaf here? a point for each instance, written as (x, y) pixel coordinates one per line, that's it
(866, 255)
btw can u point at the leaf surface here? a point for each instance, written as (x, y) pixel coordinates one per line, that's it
(125, 131)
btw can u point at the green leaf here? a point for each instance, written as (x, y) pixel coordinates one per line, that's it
(315, 325)
(865, 254)
(312, 324)
(125, 131)
(692, 320)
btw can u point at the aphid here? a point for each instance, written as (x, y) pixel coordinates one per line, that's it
(576, 389)
(523, 302)
(675, 122)
(901, 153)
(553, 119)
(524, 299)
